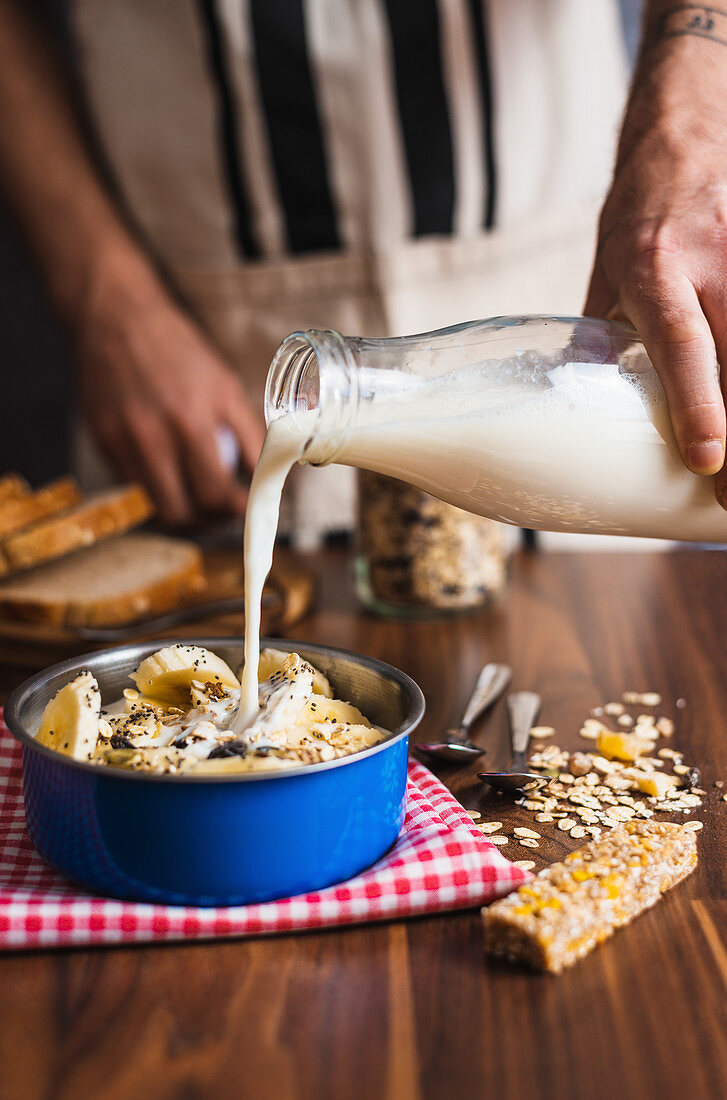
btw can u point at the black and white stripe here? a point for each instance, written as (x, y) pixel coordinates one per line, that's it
(424, 114)
(478, 13)
(305, 171)
(293, 122)
(227, 128)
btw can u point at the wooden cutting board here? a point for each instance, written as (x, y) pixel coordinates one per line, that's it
(287, 597)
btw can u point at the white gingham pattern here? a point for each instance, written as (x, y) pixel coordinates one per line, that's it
(439, 862)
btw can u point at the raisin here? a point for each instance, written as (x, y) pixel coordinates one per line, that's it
(228, 748)
(118, 741)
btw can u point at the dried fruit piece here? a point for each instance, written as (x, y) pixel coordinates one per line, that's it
(622, 746)
(657, 785)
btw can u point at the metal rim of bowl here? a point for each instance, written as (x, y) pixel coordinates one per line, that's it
(18, 697)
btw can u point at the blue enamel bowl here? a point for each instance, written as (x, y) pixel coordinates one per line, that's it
(225, 839)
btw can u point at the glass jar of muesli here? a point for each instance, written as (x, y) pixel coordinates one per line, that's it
(418, 556)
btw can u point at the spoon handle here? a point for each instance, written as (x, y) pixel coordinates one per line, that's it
(491, 683)
(522, 709)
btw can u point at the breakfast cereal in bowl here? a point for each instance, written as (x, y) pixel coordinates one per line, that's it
(177, 717)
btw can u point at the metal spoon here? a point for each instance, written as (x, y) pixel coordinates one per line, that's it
(522, 710)
(491, 683)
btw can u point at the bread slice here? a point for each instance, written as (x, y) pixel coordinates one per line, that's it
(13, 486)
(98, 517)
(117, 581)
(22, 510)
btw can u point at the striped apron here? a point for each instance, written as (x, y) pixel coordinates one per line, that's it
(379, 167)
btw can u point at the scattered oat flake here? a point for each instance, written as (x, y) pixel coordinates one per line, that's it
(694, 826)
(524, 864)
(528, 842)
(474, 814)
(625, 720)
(651, 699)
(499, 839)
(577, 832)
(566, 823)
(544, 817)
(542, 731)
(613, 709)
(490, 826)
(631, 697)
(520, 831)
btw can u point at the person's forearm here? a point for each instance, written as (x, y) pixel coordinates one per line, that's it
(49, 180)
(680, 79)
(154, 391)
(661, 257)
(664, 20)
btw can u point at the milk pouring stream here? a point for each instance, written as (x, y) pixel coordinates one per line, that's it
(557, 424)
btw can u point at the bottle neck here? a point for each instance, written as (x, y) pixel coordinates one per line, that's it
(313, 378)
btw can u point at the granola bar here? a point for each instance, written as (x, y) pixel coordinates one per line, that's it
(558, 917)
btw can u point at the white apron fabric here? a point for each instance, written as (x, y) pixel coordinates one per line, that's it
(559, 80)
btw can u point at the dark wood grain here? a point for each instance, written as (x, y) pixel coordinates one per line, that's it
(412, 1009)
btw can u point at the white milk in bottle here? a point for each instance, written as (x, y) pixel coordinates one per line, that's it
(556, 424)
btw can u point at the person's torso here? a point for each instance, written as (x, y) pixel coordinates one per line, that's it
(375, 166)
(247, 130)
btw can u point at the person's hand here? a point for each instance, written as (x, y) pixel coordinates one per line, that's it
(155, 394)
(661, 260)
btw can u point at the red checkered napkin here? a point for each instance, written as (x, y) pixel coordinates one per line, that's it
(439, 862)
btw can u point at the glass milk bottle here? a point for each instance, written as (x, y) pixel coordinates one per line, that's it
(550, 423)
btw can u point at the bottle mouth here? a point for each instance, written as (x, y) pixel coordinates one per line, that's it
(312, 378)
(293, 384)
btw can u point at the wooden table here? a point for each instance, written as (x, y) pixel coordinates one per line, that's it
(412, 1009)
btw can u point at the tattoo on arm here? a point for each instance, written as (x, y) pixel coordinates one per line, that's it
(695, 20)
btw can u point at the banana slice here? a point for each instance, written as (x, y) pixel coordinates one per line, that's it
(167, 675)
(134, 702)
(231, 765)
(71, 721)
(349, 738)
(332, 710)
(272, 661)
